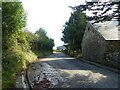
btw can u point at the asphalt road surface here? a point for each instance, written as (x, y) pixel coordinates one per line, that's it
(68, 72)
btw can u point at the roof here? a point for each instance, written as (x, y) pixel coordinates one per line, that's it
(109, 30)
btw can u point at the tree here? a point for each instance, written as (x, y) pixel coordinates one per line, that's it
(13, 20)
(44, 43)
(102, 11)
(74, 29)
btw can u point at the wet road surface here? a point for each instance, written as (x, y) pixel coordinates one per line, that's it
(61, 71)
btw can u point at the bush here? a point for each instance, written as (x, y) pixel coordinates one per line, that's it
(13, 62)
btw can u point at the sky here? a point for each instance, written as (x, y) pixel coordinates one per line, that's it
(50, 15)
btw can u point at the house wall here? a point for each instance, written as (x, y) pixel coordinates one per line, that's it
(61, 48)
(95, 48)
(93, 44)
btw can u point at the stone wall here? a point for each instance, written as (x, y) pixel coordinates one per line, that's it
(95, 48)
(112, 54)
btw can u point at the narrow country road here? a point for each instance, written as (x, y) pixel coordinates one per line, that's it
(66, 72)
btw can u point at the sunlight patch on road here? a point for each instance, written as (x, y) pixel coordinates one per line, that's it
(51, 59)
(85, 75)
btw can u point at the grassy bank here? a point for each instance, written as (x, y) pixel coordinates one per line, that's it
(15, 62)
(42, 54)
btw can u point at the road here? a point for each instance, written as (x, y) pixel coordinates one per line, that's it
(68, 72)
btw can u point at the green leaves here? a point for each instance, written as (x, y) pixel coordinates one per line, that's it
(43, 41)
(74, 30)
(39, 41)
(13, 18)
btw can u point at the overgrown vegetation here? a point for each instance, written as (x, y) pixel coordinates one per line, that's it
(19, 45)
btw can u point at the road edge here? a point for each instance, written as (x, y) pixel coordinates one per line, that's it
(100, 65)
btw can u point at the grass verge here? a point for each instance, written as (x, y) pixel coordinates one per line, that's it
(13, 62)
